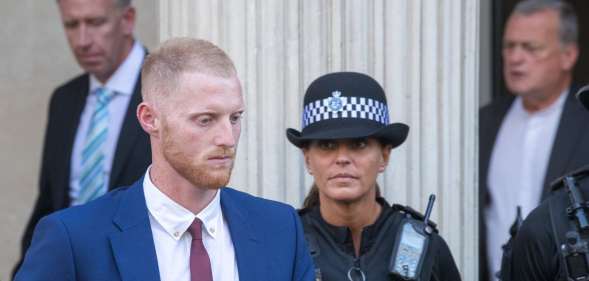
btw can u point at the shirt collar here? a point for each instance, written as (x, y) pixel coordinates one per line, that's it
(125, 77)
(551, 109)
(176, 219)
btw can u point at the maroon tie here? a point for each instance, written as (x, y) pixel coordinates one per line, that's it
(200, 265)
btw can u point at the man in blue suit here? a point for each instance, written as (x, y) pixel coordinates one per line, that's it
(177, 222)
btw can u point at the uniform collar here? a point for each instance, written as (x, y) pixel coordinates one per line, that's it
(342, 234)
(176, 219)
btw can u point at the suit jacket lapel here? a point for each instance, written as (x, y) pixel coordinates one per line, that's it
(129, 133)
(245, 240)
(71, 120)
(568, 135)
(490, 123)
(133, 247)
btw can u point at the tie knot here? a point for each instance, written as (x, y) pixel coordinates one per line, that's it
(103, 95)
(195, 229)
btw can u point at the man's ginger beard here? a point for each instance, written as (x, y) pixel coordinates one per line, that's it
(199, 174)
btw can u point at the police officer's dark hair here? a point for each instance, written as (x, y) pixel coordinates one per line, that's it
(312, 199)
(568, 27)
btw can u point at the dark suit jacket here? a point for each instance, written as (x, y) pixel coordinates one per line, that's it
(110, 239)
(131, 158)
(569, 152)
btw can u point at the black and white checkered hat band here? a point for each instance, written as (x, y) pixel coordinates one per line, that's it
(345, 107)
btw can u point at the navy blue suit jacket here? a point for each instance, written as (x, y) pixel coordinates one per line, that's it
(110, 239)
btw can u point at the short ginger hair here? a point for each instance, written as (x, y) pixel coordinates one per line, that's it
(163, 68)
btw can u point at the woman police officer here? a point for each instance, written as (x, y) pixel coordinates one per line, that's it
(346, 141)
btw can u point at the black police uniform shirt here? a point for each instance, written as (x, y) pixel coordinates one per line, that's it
(333, 251)
(535, 256)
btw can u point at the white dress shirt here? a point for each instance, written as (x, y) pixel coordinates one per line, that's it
(517, 170)
(122, 83)
(169, 224)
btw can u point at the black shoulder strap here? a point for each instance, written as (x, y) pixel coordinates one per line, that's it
(558, 225)
(578, 174)
(414, 215)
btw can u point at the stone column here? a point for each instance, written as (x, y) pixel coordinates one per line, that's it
(424, 52)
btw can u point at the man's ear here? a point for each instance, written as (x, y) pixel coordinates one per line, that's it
(386, 155)
(570, 54)
(128, 20)
(148, 119)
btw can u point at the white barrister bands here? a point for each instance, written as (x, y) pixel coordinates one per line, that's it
(345, 107)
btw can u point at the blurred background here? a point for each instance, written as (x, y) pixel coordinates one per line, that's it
(500, 10)
(36, 59)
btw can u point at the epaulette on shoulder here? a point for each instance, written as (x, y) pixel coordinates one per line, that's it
(414, 214)
(578, 175)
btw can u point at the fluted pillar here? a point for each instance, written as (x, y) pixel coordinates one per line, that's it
(424, 53)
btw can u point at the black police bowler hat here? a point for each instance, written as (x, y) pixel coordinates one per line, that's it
(583, 96)
(346, 105)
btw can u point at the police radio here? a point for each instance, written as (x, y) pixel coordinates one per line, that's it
(575, 250)
(412, 242)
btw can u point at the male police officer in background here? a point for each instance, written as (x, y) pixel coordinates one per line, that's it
(538, 252)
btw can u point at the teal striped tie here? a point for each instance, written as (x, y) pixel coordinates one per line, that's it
(93, 178)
